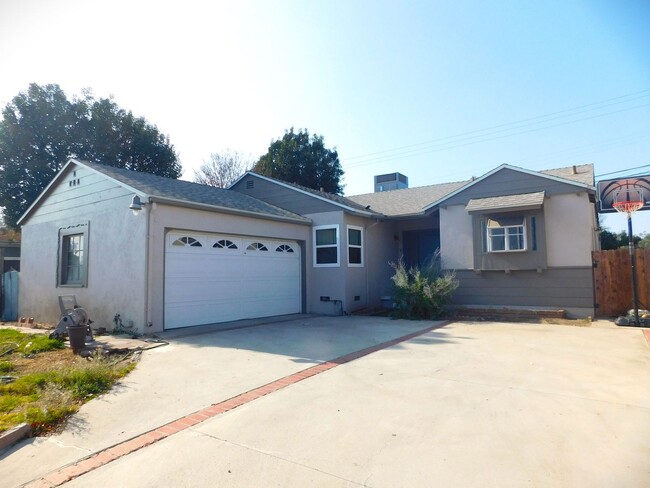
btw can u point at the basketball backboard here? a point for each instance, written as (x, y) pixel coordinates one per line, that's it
(609, 191)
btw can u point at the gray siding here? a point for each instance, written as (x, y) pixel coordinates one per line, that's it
(509, 182)
(529, 259)
(282, 197)
(563, 288)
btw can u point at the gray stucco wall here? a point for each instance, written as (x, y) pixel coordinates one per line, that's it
(115, 252)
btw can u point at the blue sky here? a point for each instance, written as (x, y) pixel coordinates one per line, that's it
(440, 91)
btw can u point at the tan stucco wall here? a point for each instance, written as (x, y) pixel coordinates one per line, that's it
(456, 238)
(570, 229)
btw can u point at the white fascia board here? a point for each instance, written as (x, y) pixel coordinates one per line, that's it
(514, 168)
(309, 194)
(228, 210)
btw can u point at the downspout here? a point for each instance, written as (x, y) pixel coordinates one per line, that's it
(147, 312)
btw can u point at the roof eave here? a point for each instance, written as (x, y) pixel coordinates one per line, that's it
(309, 194)
(59, 176)
(228, 210)
(514, 168)
(25, 216)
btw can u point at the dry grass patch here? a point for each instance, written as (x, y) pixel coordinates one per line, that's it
(43, 388)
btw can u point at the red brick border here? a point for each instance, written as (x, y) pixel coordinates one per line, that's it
(107, 455)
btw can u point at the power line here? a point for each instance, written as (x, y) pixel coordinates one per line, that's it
(466, 137)
(447, 146)
(624, 170)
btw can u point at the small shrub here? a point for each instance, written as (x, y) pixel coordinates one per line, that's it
(421, 293)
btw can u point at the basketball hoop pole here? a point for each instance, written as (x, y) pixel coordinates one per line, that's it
(628, 199)
(633, 266)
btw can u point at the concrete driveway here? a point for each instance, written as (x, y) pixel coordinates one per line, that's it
(470, 404)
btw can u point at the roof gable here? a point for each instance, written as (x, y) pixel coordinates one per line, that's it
(560, 176)
(419, 200)
(344, 203)
(175, 192)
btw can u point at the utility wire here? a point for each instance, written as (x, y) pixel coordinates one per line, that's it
(601, 102)
(447, 146)
(623, 170)
(420, 148)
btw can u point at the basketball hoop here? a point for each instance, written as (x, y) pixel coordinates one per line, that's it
(628, 200)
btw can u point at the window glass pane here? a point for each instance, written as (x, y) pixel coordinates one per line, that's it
(72, 271)
(325, 237)
(354, 237)
(498, 243)
(354, 255)
(326, 255)
(515, 238)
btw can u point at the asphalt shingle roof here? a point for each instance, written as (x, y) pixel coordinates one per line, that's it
(406, 201)
(185, 191)
(584, 173)
(505, 202)
(347, 201)
(412, 201)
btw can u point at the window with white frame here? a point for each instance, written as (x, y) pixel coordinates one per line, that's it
(73, 257)
(505, 234)
(355, 246)
(326, 245)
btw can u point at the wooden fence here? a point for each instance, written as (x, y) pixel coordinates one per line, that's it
(613, 281)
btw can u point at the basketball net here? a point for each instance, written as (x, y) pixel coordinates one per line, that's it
(628, 201)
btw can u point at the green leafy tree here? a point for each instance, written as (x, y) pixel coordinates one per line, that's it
(644, 242)
(608, 240)
(41, 129)
(301, 158)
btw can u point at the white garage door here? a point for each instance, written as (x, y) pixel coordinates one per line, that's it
(212, 278)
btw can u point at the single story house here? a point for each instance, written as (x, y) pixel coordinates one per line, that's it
(166, 253)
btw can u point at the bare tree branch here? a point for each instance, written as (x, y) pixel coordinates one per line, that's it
(222, 169)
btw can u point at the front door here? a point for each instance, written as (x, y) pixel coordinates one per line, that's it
(420, 246)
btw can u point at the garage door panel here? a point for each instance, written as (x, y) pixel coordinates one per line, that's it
(232, 281)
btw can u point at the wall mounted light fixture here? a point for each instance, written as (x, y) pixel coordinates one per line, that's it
(136, 205)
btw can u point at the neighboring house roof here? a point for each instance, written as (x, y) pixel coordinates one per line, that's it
(406, 201)
(583, 173)
(416, 201)
(341, 201)
(506, 202)
(179, 192)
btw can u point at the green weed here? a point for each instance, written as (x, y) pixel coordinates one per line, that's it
(13, 341)
(6, 367)
(45, 398)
